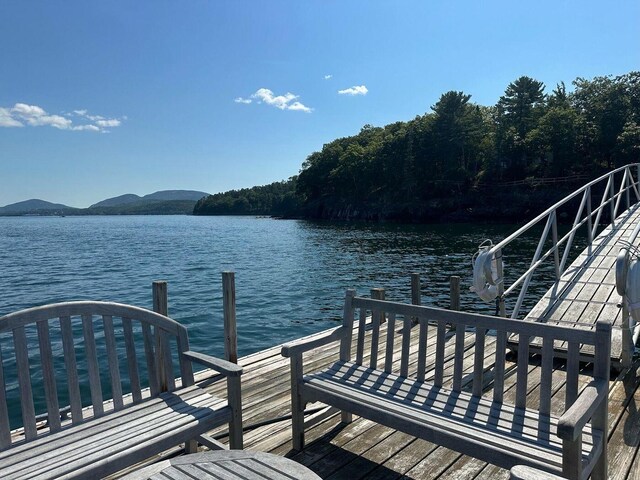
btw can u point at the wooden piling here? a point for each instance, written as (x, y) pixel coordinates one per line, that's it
(229, 307)
(454, 292)
(161, 306)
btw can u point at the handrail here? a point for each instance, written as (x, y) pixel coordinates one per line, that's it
(612, 198)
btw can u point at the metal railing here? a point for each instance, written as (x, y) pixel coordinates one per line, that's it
(613, 194)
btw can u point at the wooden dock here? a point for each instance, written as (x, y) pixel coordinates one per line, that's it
(586, 291)
(364, 449)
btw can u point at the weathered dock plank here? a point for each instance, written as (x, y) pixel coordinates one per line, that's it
(586, 291)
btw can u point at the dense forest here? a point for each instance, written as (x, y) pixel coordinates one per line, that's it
(462, 160)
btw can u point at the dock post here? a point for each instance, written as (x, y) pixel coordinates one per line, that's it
(415, 289)
(454, 292)
(229, 307)
(161, 306)
(378, 294)
(415, 294)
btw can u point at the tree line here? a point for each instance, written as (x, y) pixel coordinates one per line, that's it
(439, 159)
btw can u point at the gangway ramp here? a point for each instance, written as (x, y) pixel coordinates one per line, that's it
(582, 291)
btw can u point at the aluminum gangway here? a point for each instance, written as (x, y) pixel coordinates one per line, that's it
(583, 289)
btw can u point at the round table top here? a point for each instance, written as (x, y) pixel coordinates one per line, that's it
(226, 464)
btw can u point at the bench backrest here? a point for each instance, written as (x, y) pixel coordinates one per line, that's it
(447, 336)
(83, 353)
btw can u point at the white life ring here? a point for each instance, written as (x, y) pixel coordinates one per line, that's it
(628, 281)
(485, 272)
(632, 293)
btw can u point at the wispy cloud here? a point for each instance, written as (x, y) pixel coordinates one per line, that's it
(288, 101)
(355, 90)
(328, 77)
(22, 114)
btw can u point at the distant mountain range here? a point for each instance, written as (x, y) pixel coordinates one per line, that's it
(159, 203)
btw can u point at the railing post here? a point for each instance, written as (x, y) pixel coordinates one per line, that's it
(627, 186)
(554, 236)
(161, 306)
(612, 194)
(502, 311)
(229, 309)
(589, 220)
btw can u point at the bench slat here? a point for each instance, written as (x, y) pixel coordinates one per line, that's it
(498, 369)
(48, 376)
(362, 322)
(132, 361)
(465, 436)
(391, 327)
(5, 426)
(93, 368)
(422, 349)
(440, 344)
(458, 358)
(522, 370)
(112, 359)
(127, 441)
(478, 362)
(573, 368)
(24, 382)
(527, 422)
(73, 383)
(376, 320)
(546, 376)
(150, 356)
(406, 344)
(167, 361)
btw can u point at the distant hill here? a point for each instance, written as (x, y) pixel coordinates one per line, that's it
(176, 195)
(120, 200)
(35, 206)
(161, 196)
(165, 202)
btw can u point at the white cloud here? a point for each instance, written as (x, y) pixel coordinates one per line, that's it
(243, 100)
(114, 122)
(355, 90)
(299, 106)
(22, 114)
(328, 77)
(7, 120)
(288, 101)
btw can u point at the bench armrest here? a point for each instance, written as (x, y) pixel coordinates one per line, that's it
(224, 367)
(294, 348)
(574, 419)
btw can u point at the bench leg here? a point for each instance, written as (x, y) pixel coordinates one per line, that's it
(235, 402)
(297, 405)
(346, 417)
(600, 421)
(571, 459)
(191, 446)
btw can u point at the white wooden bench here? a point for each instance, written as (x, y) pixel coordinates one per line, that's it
(464, 408)
(82, 353)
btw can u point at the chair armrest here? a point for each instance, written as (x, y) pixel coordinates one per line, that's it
(574, 419)
(224, 367)
(297, 347)
(521, 472)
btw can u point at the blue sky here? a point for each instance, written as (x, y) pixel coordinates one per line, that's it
(98, 99)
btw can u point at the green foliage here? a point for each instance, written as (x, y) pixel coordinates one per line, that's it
(278, 198)
(439, 161)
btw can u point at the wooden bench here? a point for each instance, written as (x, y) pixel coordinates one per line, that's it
(82, 353)
(471, 407)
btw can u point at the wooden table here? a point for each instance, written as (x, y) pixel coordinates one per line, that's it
(227, 465)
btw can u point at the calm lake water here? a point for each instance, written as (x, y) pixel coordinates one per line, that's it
(291, 275)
